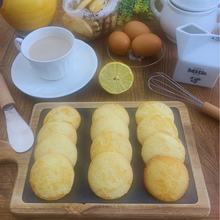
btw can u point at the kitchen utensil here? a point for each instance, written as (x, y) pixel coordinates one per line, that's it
(20, 135)
(81, 201)
(194, 66)
(175, 13)
(164, 85)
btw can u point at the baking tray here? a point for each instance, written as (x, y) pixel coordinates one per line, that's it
(137, 203)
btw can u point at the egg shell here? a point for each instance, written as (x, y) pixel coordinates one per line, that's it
(119, 43)
(135, 28)
(146, 45)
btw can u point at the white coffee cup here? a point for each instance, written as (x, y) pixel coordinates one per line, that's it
(54, 65)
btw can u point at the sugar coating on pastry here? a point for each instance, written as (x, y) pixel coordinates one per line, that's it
(151, 108)
(109, 123)
(111, 142)
(153, 124)
(52, 177)
(57, 128)
(166, 178)
(59, 144)
(64, 113)
(162, 143)
(111, 109)
(110, 175)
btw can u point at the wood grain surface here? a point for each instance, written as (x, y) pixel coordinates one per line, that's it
(204, 128)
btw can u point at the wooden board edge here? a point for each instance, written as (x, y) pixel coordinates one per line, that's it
(203, 198)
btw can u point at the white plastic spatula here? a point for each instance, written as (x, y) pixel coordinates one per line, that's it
(20, 136)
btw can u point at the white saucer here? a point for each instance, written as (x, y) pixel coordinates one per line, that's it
(85, 64)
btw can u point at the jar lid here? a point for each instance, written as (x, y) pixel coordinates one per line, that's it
(195, 5)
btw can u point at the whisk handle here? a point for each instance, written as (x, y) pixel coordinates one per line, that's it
(211, 110)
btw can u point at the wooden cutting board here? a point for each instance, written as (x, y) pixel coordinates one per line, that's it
(81, 202)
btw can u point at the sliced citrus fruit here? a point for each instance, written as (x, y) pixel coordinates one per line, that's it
(116, 77)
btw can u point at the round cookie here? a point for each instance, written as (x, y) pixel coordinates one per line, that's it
(111, 142)
(110, 175)
(59, 144)
(153, 124)
(162, 143)
(111, 109)
(57, 128)
(64, 113)
(151, 108)
(166, 178)
(51, 177)
(109, 123)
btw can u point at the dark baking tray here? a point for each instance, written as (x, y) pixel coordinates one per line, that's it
(81, 192)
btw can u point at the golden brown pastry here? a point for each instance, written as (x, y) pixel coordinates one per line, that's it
(166, 178)
(111, 109)
(151, 108)
(57, 128)
(154, 124)
(64, 113)
(110, 175)
(52, 177)
(111, 142)
(59, 144)
(109, 123)
(162, 143)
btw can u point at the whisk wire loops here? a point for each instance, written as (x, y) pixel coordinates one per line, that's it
(160, 84)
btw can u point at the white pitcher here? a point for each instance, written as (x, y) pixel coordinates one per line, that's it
(175, 13)
(198, 56)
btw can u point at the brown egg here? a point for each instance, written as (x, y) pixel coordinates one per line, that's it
(135, 28)
(119, 43)
(146, 45)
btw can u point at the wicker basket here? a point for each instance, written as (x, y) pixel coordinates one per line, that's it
(90, 27)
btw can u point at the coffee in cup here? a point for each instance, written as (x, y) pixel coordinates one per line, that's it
(49, 51)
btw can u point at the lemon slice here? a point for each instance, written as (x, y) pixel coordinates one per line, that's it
(116, 77)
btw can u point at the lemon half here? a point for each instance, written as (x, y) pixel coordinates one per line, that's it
(116, 77)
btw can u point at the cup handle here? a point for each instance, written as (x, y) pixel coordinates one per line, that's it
(154, 10)
(18, 42)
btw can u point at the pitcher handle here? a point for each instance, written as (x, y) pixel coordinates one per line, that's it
(217, 25)
(154, 10)
(18, 42)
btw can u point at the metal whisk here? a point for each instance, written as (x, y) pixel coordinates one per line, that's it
(164, 85)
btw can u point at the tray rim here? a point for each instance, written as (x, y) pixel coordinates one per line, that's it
(113, 210)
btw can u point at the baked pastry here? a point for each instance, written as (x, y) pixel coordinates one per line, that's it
(111, 142)
(166, 178)
(110, 175)
(64, 113)
(111, 109)
(108, 123)
(151, 108)
(59, 144)
(77, 25)
(84, 4)
(51, 177)
(57, 128)
(162, 143)
(96, 5)
(153, 124)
